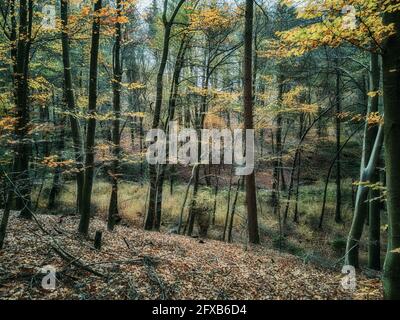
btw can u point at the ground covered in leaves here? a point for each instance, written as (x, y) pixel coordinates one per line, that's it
(134, 264)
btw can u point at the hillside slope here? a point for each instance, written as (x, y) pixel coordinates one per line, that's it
(150, 265)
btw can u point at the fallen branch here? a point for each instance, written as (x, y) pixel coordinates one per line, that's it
(75, 261)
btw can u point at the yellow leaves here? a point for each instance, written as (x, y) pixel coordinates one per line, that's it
(134, 114)
(43, 128)
(41, 90)
(85, 11)
(39, 83)
(268, 79)
(198, 91)
(122, 19)
(378, 186)
(294, 101)
(211, 18)
(329, 24)
(54, 162)
(356, 117)
(7, 123)
(213, 120)
(221, 96)
(133, 85)
(374, 118)
(397, 250)
(373, 94)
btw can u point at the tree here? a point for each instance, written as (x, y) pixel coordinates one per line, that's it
(70, 99)
(374, 248)
(116, 137)
(373, 34)
(151, 221)
(391, 89)
(19, 184)
(251, 201)
(22, 152)
(91, 126)
(338, 210)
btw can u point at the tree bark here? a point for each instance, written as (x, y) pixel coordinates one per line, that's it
(23, 147)
(113, 214)
(91, 126)
(56, 185)
(251, 201)
(278, 149)
(338, 215)
(70, 98)
(361, 198)
(374, 248)
(391, 97)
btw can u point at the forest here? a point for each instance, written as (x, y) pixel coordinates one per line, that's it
(199, 149)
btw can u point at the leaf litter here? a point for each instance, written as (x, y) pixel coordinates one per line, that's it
(134, 264)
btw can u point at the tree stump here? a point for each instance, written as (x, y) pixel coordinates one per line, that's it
(97, 240)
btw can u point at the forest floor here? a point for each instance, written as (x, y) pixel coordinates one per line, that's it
(135, 264)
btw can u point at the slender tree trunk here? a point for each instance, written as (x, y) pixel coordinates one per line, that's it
(338, 215)
(228, 203)
(371, 152)
(56, 186)
(151, 217)
(5, 218)
(173, 97)
(296, 208)
(374, 234)
(321, 218)
(91, 126)
(200, 118)
(367, 171)
(113, 214)
(278, 149)
(374, 248)
(70, 98)
(216, 189)
(23, 147)
(251, 201)
(19, 184)
(13, 40)
(230, 227)
(391, 97)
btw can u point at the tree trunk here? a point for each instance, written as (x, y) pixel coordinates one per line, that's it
(228, 203)
(173, 96)
(23, 147)
(296, 208)
(251, 201)
(151, 217)
(56, 186)
(374, 248)
(113, 214)
(391, 97)
(371, 152)
(338, 215)
(91, 126)
(70, 98)
(230, 227)
(278, 149)
(361, 198)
